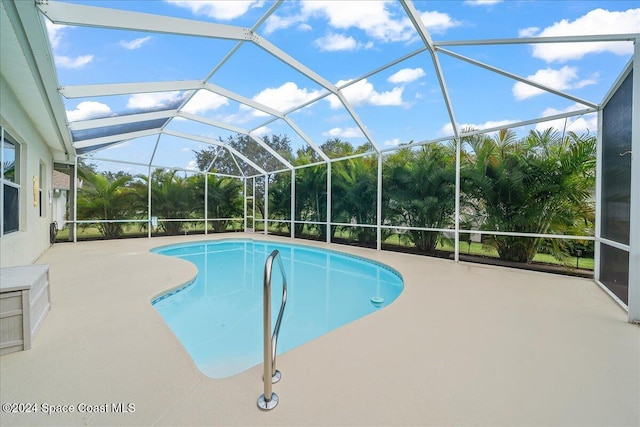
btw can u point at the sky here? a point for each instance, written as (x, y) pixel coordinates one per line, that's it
(343, 41)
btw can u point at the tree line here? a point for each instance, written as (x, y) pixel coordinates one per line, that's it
(541, 183)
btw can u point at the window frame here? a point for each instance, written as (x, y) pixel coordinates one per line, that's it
(5, 137)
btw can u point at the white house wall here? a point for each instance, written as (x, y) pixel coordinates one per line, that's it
(27, 244)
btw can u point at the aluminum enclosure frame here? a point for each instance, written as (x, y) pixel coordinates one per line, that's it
(27, 16)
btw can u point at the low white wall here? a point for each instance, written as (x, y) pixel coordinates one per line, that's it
(25, 246)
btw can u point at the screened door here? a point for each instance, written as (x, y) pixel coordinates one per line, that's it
(616, 190)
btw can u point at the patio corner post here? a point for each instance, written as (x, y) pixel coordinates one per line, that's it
(244, 196)
(74, 204)
(598, 202)
(634, 226)
(149, 224)
(457, 208)
(206, 202)
(266, 204)
(328, 202)
(379, 206)
(293, 203)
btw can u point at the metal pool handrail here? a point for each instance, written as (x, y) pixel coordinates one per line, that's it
(269, 400)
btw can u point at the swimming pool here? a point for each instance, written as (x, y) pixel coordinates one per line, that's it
(218, 317)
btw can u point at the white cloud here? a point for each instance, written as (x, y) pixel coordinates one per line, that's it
(482, 2)
(353, 132)
(372, 17)
(89, 110)
(528, 32)
(192, 165)
(159, 100)
(579, 125)
(406, 75)
(335, 42)
(285, 97)
(363, 92)
(204, 101)
(242, 116)
(596, 22)
(262, 131)
(391, 142)
(438, 22)
(223, 10)
(564, 78)
(67, 62)
(276, 22)
(55, 33)
(448, 128)
(135, 43)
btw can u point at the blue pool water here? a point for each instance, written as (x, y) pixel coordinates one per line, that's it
(218, 317)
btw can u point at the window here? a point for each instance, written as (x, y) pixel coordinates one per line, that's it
(9, 177)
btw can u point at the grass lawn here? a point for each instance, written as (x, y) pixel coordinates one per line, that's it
(134, 230)
(479, 249)
(474, 249)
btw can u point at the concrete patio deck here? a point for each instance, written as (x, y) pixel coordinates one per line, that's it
(464, 344)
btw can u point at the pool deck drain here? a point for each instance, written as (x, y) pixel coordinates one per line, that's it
(463, 344)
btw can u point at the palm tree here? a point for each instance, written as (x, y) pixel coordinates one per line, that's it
(172, 196)
(9, 168)
(542, 184)
(102, 198)
(224, 200)
(280, 200)
(419, 190)
(311, 195)
(355, 195)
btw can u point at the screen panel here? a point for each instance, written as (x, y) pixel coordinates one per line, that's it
(614, 271)
(616, 164)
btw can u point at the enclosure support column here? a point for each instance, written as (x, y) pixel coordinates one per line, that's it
(150, 222)
(598, 196)
(293, 203)
(206, 204)
(244, 194)
(328, 202)
(266, 204)
(153, 155)
(74, 202)
(379, 205)
(457, 219)
(634, 226)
